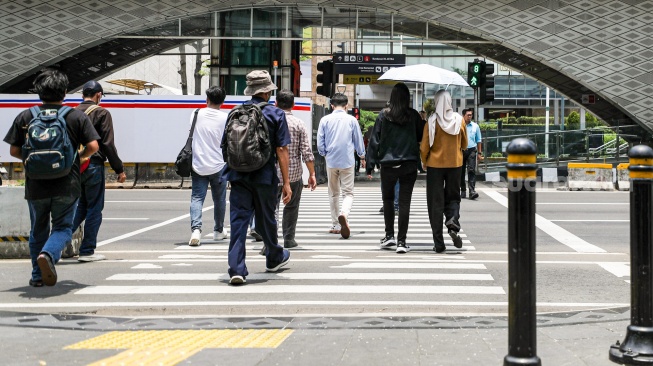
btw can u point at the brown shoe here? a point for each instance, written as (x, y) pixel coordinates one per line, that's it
(344, 227)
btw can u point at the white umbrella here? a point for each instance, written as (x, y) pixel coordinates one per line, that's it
(423, 73)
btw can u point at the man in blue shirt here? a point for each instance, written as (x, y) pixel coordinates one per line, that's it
(469, 155)
(338, 136)
(255, 193)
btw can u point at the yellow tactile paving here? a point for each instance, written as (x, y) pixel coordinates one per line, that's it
(169, 347)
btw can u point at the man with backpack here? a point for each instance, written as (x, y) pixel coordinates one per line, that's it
(91, 201)
(46, 138)
(255, 137)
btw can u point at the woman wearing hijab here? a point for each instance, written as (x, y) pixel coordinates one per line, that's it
(393, 146)
(441, 150)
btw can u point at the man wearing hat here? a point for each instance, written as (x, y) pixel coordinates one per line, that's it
(91, 201)
(255, 193)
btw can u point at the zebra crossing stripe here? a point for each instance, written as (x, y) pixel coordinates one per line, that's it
(289, 289)
(411, 265)
(303, 276)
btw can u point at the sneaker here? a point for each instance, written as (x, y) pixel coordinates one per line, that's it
(256, 235)
(262, 251)
(457, 240)
(48, 272)
(344, 227)
(237, 280)
(473, 195)
(91, 258)
(36, 283)
(195, 238)
(290, 244)
(381, 209)
(397, 212)
(439, 248)
(286, 259)
(334, 230)
(463, 194)
(402, 248)
(217, 235)
(388, 242)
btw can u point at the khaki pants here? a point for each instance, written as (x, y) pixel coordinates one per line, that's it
(340, 180)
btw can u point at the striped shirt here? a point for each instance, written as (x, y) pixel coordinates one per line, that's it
(298, 149)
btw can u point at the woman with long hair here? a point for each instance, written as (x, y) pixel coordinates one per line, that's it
(394, 144)
(442, 153)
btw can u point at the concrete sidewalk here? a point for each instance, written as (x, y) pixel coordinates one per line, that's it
(582, 338)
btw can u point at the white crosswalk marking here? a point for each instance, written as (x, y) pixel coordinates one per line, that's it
(326, 269)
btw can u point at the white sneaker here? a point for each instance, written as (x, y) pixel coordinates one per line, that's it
(237, 280)
(195, 238)
(221, 235)
(91, 258)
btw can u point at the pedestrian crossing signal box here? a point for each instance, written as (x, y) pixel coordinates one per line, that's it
(356, 113)
(474, 73)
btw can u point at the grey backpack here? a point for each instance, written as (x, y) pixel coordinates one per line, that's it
(246, 147)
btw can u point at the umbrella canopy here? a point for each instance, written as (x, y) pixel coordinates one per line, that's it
(423, 73)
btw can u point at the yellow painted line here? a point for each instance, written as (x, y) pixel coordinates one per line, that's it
(169, 347)
(519, 158)
(623, 166)
(521, 174)
(637, 161)
(13, 238)
(588, 166)
(641, 175)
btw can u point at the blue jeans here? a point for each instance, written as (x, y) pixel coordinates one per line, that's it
(91, 204)
(41, 240)
(219, 194)
(260, 200)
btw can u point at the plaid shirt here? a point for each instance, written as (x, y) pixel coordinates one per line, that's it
(298, 149)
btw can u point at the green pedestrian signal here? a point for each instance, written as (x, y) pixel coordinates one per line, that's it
(474, 72)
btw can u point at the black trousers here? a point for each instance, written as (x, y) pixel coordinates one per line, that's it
(406, 174)
(469, 167)
(443, 198)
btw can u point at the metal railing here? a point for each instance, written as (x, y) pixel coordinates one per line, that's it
(556, 148)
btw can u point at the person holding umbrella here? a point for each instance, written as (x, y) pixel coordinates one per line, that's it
(393, 145)
(441, 150)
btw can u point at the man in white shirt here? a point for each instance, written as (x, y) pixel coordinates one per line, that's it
(208, 165)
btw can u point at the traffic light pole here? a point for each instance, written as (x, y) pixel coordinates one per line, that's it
(476, 106)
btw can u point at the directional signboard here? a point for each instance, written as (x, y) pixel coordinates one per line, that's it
(365, 79)
(365, 63)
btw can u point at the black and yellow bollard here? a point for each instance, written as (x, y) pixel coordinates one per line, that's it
(522, 339)
(637, 347)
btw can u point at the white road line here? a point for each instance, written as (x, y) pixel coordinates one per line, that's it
(412, 265)
(140, 231)
(147, 201)
(617, 269)
(345, 247)
(589, 220)
(289, 289)
(268, 303)
(582, 203)
(303, 276)
(553, 230)
(126, 218)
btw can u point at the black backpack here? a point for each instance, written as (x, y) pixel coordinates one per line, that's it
(247, 147)
(48, 152)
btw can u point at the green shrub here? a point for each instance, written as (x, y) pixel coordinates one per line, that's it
(367, 119)
(487, 126)
(496, 155)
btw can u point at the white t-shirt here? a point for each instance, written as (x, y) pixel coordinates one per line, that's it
(207, 153)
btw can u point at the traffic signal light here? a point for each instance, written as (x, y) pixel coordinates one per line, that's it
(325, 78)
(356, 113)
(474, 72)
(486, 93)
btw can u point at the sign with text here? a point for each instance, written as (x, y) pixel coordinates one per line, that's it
(365, 79)
(366, 64)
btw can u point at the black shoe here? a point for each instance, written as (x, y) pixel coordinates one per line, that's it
(439, 248)
(457, 240)
(381, 209)
(256, 235)
(37, 283)
(290, 244)
(388, 242)
(48, 272)
(262, 251)
(473, 195)
(402, 248)
(463, 194)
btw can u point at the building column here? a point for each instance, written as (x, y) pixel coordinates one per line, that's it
(214, 49)
(284, 63)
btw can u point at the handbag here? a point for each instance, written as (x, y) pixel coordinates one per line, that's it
(184, 162)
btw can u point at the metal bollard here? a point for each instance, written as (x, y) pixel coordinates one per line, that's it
(637, 347)
(522, 339)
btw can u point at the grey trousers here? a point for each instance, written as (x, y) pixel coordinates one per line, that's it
(291, 211)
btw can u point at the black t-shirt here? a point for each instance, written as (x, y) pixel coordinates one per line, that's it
(80, 131)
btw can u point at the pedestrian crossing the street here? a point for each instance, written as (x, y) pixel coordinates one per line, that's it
(326, 272)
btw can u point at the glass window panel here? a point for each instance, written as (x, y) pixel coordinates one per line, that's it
(201, 25)
(374, 24)
(303, 18)
(234, 23)
(269, 22)
(409, 27)
(250, 53)
(341, 19)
